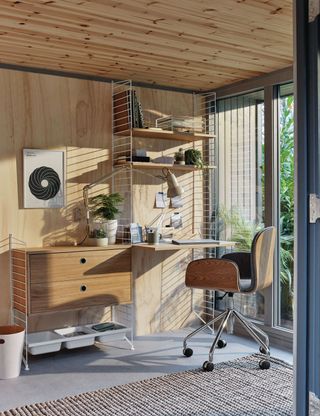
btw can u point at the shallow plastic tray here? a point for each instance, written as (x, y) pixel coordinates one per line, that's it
(76, 336)
(43, 342)
(119, 332)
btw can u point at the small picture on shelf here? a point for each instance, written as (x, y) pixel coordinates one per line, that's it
(136, 233)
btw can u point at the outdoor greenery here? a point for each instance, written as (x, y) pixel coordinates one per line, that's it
(242, 230)
(286, 155)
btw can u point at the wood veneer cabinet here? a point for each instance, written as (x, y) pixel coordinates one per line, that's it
(66, 278)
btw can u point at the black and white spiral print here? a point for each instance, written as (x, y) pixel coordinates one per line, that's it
(44, 183)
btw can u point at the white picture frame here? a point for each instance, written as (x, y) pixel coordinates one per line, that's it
(43, 178)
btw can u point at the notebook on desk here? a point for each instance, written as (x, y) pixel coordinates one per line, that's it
(199, 241)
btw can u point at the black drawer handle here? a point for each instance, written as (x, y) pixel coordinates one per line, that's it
(83, 260)
(2, 341)
(83, 288)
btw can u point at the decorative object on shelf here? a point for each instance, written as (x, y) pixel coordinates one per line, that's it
(188, 125)
(44, 180)
(139, 152)
(135, 233)
(98, 238)
(179, 157)
(144, 159)
(174, 189)
(105, 209)
(193, 157)
(164, 160)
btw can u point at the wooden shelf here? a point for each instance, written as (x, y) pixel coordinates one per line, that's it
(151, 165)
(167, 135)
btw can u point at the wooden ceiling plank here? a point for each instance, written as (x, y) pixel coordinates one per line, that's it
(203, 41)
(94, 51)
(81, 60)
(167, 28)
(128, 44)
(116, 26)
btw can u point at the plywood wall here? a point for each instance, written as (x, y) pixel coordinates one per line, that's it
(48, 112)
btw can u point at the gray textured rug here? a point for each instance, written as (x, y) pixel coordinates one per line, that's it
(235, 388)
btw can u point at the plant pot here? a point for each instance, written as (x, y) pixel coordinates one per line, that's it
(102, 242)
(98, 242)
(111, 230)
(179, 162)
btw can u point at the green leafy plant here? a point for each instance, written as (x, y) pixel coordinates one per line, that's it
(193, 157)
(286, 155)
(242, 231)
(100, 233)
(105, 207)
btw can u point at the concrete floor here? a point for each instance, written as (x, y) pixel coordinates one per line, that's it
(70, 372)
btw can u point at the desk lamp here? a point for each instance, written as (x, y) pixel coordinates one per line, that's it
(174, 189)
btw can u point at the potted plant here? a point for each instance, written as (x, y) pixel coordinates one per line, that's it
(98, 238)
(104, 209)
(179, 157)
(193, 157)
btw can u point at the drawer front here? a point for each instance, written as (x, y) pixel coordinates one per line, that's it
(56, 267)
(107, 290)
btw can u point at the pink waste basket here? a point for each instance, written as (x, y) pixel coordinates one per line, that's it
(11, 349)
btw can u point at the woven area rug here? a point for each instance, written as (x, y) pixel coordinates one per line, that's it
(234, 388)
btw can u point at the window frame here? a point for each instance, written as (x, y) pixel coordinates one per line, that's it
(271, 84)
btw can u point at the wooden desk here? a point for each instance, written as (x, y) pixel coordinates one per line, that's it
(161, 300)
(175, 247)
(52, 279)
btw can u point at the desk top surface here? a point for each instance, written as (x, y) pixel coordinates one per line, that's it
(170, 246)
(71, 249)
(153, 247)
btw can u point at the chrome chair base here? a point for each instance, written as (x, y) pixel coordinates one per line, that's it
(256, 333)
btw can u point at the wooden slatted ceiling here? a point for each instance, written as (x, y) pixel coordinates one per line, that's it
(195, 44)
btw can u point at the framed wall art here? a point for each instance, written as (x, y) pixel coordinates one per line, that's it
(44, 178)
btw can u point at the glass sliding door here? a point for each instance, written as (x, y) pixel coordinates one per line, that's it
(240, 193)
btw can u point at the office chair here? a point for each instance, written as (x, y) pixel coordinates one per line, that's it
(235, 273)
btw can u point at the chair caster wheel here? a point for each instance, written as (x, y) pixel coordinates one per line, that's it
(187, 352)
(262, 350)
(207, 366)
(221, 343)
(264, 365)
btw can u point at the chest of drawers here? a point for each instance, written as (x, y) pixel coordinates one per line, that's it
(67, 278)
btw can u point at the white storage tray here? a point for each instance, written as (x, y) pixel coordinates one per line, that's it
(119, 332)
(73, 337)
(43, 342)
(76, 336)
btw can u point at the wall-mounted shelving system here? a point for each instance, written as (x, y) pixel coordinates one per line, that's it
(199, 134)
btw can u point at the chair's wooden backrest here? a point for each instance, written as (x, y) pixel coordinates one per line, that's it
(262, 252)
